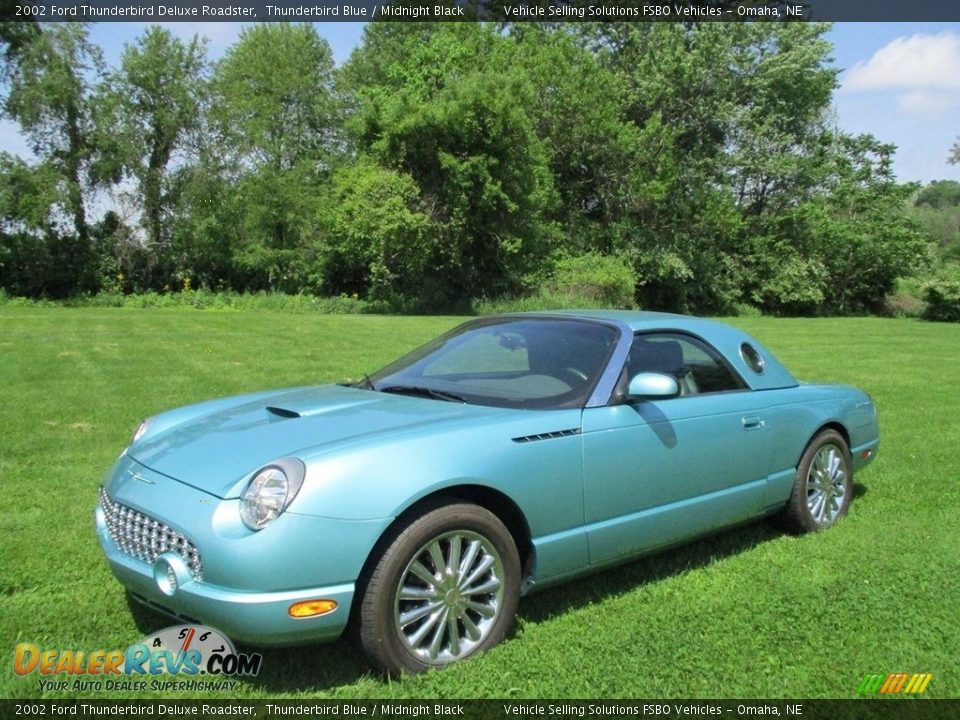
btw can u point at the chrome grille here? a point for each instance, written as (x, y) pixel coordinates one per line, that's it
(143, 537)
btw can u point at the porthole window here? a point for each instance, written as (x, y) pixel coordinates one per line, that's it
(752, 358)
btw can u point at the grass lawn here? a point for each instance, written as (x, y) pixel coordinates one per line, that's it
(749, 613)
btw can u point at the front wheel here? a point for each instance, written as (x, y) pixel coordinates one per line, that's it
(446, 588)
(824, 485)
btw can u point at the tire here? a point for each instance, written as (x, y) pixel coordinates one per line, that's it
(446, 588)
(824, 485)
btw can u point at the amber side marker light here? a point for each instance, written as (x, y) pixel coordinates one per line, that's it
(312, 608)
(865, 454)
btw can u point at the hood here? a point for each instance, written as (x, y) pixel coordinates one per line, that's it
(216, 450)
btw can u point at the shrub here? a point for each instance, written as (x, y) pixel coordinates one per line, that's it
(542, 300)
(943, 299)
(905, 299)
(202, 299)
(602, 280)
(742, 309)
(904, 304)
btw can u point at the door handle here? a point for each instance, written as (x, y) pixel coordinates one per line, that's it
(752, 423)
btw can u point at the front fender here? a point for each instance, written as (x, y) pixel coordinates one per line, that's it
(384, 478)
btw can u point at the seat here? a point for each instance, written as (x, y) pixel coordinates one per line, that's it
(661, 356)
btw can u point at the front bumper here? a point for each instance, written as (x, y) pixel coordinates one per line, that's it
(248, 580)
(258, 618)
(864, 454)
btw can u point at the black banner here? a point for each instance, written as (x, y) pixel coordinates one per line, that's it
(471, 10)
(892, 709)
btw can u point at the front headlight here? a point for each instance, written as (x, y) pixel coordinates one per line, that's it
(270, 491)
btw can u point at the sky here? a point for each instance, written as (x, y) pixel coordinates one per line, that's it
(900, 82)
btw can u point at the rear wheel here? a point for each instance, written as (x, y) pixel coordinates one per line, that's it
(824, 485)
(446, 588)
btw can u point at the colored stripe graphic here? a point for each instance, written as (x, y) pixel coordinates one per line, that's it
(918, 683)
(894, 683)
(870, 683)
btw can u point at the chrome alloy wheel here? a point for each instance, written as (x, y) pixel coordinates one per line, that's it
(826, 484)
(449, 597)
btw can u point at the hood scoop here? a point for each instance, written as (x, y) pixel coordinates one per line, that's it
(282, 412)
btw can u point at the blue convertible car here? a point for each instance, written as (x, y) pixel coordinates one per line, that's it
(511, 453)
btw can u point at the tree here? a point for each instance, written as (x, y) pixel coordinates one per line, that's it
(38, 258)
(15, 35)
(939, 195)
(452, 161)
(937, 210)
(49, 83)
(444, 106)
(841, 250)
(681, 223)
(276, 121)
(781, 91)
(150, 112)
(208, 225)
(595, 153)
(755, 197)
(376, 234)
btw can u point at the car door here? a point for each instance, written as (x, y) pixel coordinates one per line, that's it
(658, 471)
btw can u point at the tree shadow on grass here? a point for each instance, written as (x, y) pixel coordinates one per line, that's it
(320, 667)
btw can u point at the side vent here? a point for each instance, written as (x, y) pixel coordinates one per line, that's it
(547, 435)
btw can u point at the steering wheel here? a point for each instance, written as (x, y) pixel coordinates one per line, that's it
(574, 377)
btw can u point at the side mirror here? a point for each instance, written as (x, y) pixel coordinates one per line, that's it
(652, 385)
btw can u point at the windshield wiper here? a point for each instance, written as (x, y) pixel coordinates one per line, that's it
(365, 383)
(423, 392)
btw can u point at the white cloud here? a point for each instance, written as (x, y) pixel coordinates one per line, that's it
(910, 62)
(927, 103)
(922, 70)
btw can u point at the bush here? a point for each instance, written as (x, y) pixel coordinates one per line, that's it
(600, 280)
(532, 303)
(904, 304)
(905, 300)
(742, 309)
(223, 300)
(943, 299)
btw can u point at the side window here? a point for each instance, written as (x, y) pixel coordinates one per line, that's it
(697, 366)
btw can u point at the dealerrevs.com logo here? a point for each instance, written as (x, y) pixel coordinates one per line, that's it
(894, 683)
(186, 651)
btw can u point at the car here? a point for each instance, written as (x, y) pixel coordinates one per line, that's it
(418, 504)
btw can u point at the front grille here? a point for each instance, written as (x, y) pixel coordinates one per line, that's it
(143, 537)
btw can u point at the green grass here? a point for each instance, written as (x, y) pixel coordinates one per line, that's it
(748, 613)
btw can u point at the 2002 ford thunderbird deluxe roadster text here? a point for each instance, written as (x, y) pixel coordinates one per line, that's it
(511, 453)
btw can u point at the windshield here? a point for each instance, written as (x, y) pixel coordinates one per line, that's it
(520, 362)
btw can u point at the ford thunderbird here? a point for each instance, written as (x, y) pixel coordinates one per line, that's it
(418, 504)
